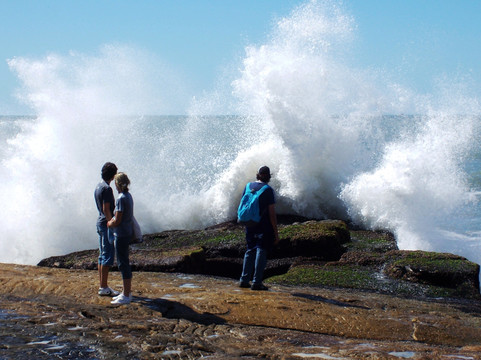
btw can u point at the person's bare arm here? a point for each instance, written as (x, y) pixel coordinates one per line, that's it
(273, 218)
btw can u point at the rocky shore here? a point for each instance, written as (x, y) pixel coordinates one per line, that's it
(335, 293)
(311, 253)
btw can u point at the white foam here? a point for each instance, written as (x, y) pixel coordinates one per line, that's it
(304, 110)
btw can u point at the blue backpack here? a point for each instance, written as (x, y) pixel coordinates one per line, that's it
(248, 212)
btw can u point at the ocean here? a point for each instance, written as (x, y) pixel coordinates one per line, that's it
(189, 172)
(342, 142)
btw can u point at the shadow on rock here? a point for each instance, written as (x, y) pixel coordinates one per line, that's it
(329, 301)
(176, 310)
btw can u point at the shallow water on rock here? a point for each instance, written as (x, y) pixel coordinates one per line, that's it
(24, 340)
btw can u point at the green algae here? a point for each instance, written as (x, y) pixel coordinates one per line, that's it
(442, 275)
(185, 251)
(310, 230)
(371, 241)
(314, 230)
(229, 238)
(435, 262)
(366, 260)
(179, 239)
(355, 277)
(368, 279)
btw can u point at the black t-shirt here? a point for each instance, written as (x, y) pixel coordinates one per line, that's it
(262, 235)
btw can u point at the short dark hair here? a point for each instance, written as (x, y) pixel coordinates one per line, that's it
(108, 171)
(264, 174)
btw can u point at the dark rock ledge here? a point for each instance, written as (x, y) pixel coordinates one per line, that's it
(311, 253)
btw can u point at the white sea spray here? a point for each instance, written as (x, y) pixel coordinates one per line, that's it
(335, 136)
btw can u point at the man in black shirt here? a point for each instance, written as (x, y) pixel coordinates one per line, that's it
(261, 237)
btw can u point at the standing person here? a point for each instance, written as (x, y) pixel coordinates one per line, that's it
(122, 225)
(261, 237)
(104, 198)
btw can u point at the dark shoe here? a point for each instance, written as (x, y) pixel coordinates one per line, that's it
(259, 287)
(244, 284)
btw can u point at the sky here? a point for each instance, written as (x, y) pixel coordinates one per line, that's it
(416, 41)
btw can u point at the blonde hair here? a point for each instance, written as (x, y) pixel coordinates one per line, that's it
(122, 181)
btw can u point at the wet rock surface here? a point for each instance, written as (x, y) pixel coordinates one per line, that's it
(55, 313)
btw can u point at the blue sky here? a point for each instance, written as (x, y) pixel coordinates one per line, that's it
(415, 40)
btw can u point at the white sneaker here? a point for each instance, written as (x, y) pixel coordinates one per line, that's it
(121, 300)
(120, 295)
(108, 292)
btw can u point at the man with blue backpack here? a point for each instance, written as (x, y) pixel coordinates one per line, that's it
(257, 212)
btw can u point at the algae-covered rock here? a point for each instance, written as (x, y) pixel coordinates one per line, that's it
(439, 269)
(310, 253)
(371, 241)
(347, 276)
(371, 261)
(318, 239)
(403, 273)
(86, 260)
(187, 260)
(219, 250)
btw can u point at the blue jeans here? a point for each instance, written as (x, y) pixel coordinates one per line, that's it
(122, 251)
(106, 245)
(255, 260)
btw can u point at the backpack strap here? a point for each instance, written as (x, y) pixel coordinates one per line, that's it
(260, 191)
